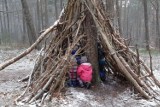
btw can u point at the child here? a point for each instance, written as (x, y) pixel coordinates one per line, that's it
(84, 73)
(73, 74)
(102, 63)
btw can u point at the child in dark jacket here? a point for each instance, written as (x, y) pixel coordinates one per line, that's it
(102, 63)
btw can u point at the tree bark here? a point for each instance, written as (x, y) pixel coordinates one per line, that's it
(92, 51)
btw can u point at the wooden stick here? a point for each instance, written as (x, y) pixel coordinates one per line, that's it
(41, 91)
(138, 62)
(150, 56)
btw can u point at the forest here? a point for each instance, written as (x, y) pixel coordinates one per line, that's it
(41, 40)
(138, 22)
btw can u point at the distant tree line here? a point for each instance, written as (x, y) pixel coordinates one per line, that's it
(14, 29)
(136, 20)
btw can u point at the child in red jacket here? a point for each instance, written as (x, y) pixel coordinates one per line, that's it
(84, 73)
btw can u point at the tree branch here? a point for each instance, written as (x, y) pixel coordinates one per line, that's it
(27, 51)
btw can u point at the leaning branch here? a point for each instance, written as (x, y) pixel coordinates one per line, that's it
(27, 51)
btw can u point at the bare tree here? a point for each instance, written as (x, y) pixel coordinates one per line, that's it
(61, 4)
(118, 10)
(7, 15)
(38, 16)
(46, 13)
(1, 24)
(157, 23)
(110, 8)
(146, 23)
(155, 4)
(41, 13)
(29, 22)
(56, 9)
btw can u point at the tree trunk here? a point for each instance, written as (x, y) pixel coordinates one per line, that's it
(25, 33)
(157, 24)
(61, 4)
(146, 24)
(4, 35)
(46, 13)
(110, 8)
(29, 22)
(7, 15)
(92, 51)
(118, 10)
(56, 8)
(41, 13)
(38, 16)
(1, 24)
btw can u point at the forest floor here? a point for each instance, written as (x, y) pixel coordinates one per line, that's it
(112, 93)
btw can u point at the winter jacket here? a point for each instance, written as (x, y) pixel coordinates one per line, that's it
(85, 72)
(73, 73)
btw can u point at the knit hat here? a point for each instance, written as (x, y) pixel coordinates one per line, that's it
(73, 52)
(83, 59)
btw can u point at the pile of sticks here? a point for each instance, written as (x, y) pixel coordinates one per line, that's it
(49, 74)
(54, 62)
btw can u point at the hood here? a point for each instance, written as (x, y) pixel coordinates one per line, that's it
(86, 66)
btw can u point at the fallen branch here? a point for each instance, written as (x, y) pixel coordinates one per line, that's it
(27, 51)
(24, 79)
